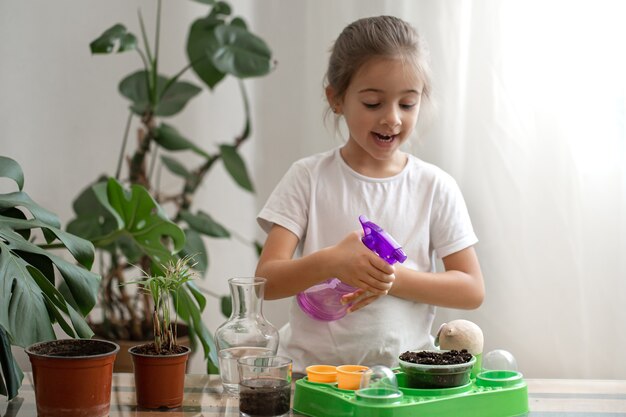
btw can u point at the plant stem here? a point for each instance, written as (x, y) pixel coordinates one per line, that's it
(123, 149)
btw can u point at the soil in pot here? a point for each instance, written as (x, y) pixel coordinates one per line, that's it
(150, 349)
(426, 357)
(73, 377)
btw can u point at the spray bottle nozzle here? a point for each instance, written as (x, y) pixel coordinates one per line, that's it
(379, 241)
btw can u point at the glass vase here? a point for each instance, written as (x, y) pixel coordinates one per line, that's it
(246, 332)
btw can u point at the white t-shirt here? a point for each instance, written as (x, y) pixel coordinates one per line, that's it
(320, 199)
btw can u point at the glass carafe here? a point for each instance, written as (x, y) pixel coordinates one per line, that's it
(246, 332)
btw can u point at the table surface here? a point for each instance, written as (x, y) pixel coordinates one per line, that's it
(204, 398)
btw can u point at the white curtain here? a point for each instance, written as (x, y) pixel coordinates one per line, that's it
(530, 120)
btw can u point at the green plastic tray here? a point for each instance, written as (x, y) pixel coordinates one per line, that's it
(491, 394)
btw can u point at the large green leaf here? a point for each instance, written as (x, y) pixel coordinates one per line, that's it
(10, 373)
(20, 289)
(241, 53)
(169, 138)
(21, 199)
(143, 219)
(81, 249)
(201, 45)
(236, 166)
(170, 102)
(11, 169)
(114, 39)
(204, 223)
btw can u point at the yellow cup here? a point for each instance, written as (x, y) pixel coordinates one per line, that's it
(349, 376)
(321, 373)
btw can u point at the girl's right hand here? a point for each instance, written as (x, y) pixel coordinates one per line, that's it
(359, 267)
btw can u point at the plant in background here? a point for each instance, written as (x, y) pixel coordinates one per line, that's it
(38, 288)
(130, 227)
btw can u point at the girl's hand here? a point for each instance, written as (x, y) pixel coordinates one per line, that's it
(359, 299)
(359, 267)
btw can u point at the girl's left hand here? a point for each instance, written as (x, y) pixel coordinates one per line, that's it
(359, 299)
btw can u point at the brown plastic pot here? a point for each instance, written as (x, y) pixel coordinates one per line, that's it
(73, 377)
(159, 379)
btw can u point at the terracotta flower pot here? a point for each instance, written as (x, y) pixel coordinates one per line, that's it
(159, 379)
(73, 377)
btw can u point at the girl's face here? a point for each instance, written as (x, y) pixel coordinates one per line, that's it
(380, 107)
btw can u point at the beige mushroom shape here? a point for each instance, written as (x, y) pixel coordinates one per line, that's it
(460, 334)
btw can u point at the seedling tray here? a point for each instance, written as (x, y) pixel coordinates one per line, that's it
(491, 394)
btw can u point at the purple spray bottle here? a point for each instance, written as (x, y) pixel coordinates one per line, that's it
(323, 301)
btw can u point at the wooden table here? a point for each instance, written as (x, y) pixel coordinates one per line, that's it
(203, 398)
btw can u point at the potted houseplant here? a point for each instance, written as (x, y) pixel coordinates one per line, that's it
(159, 366)
(218, 45)
(73, 377)
(38, 287)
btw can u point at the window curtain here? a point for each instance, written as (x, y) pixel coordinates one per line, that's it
(528, 117)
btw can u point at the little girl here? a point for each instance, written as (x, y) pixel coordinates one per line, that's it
(377, 77)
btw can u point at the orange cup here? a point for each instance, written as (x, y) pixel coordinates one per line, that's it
(349, 376)
(321, 373)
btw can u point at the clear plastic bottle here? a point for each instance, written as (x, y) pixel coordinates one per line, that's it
(323, 301)
(246, 332)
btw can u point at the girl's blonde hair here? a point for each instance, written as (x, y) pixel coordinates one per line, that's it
(380, 36)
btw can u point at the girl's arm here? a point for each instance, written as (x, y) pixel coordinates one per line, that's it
(349, 260)
(460, 286)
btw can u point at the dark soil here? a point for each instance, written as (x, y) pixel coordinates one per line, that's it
(451, 357)
(150, 349)
(73, 347)
(264, 397)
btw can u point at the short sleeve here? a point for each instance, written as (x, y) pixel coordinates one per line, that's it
(451, 227)
(287, 205)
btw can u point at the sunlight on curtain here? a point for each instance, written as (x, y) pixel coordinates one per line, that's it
(530, 121)
(541, 157)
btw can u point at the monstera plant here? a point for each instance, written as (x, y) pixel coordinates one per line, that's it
(140, 227)
(38, 287)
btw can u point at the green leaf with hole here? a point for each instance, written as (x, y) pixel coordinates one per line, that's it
(141, 218)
